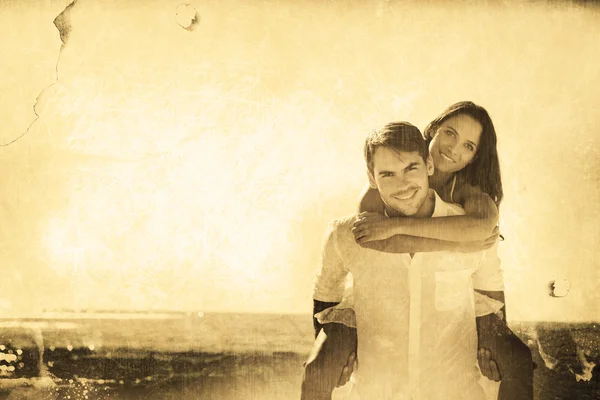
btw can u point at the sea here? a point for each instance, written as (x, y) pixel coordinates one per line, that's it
(230, 356)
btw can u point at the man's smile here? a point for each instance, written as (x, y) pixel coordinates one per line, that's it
(405, 194)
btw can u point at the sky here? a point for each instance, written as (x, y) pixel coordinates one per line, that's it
(146, 166)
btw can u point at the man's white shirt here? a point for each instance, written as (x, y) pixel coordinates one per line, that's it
(415, 316)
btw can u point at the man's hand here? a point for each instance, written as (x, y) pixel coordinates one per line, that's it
(348, 369)
(479, 245)
(370, 227)
(488, 367)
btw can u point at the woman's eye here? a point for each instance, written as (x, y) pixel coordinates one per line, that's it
(470, 147)
(449, 133)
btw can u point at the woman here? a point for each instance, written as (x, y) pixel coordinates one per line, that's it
(462, 144)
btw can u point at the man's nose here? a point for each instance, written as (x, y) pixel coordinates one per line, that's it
(402, 184)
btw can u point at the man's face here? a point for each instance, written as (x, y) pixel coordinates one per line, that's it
(401, 178)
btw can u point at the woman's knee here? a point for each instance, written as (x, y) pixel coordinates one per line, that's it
(521, 350)
(518, 358)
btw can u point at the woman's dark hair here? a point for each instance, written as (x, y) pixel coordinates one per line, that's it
(484, 170)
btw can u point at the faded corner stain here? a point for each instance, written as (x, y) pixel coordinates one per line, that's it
(63, 24)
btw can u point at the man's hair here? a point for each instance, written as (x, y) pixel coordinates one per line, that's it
(398, 136)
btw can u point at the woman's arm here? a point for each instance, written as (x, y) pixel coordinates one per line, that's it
(477, 224)
(479, 208)
(370, 201)
(480, 219)
(412, 244)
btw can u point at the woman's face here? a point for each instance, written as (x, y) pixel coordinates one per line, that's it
(455, 143)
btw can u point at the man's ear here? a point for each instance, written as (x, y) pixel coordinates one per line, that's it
(372, 182)
(430, 166)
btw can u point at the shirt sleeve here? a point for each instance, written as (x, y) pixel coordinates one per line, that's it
(331, 275)
(489, 276)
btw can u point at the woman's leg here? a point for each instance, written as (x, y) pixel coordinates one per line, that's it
(512, 356)
(323, 369)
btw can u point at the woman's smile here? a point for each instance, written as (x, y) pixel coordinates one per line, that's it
(446, 157)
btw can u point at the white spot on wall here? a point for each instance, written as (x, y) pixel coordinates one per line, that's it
(187, 16)
(559, 287)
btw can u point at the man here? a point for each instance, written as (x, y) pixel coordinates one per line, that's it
(414, 313)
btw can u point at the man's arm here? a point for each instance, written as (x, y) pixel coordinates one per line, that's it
(331, 277)
(495, 295)
(488, 280)
(487, 324)
(319, 306)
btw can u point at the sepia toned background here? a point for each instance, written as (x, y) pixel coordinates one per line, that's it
(178, 169)
(149, 167)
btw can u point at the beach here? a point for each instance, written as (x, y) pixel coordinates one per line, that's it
(225, 356)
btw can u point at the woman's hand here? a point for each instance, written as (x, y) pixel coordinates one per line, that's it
(480, 245)
(370, 227)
